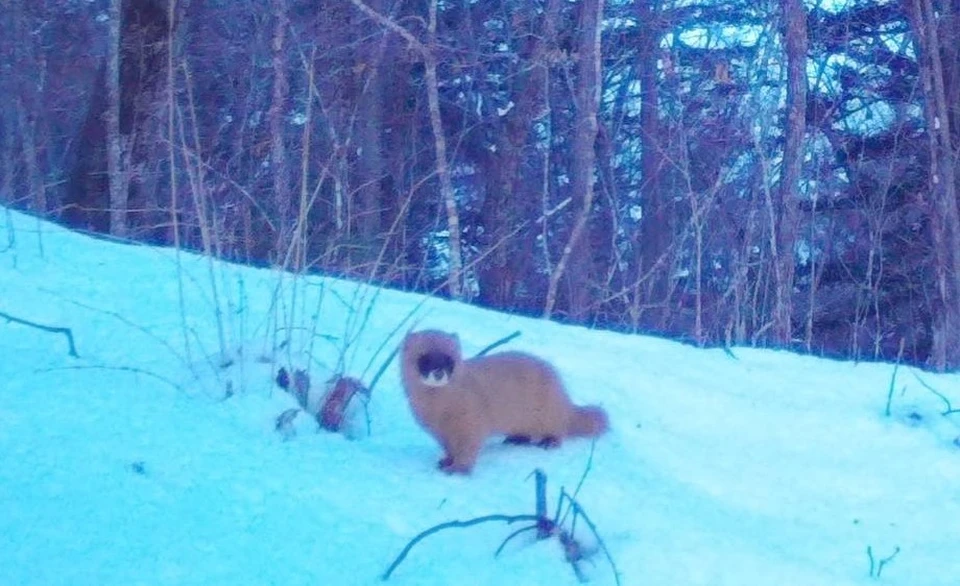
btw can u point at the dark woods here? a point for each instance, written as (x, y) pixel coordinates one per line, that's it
(722, 172)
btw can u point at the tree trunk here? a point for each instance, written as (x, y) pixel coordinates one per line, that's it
(587, 98)
(656, 222)
(7, 180)
(116, 173)
(499, 217)
(120, 131)
(455, 278)
(371, 168)
(507, 202)
(945, 353)
(795, 41)
(278, 152)
(28, 81)
(31, 159)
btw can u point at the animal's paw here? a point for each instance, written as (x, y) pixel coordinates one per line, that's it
(449, 466)
(549, 442)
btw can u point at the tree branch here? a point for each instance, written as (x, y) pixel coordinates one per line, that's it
(52, 329)
(389, 24)
(499, 342)
(451, 524)
(455, 278)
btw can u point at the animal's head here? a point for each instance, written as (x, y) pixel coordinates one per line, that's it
(431, 356)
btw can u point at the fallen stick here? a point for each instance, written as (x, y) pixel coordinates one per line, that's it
(52, 329)
(509, 519)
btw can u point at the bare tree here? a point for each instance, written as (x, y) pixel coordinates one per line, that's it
(506, 202)
(278, 151)
(428, 54)
(795, 41)
(115, 168)
(655, 226)
(942, 179)
(587, 102)
(370, 160)
(509, 90)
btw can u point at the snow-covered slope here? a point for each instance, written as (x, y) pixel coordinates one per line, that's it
(144, 461)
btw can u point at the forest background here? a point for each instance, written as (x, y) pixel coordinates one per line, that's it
(773, 173)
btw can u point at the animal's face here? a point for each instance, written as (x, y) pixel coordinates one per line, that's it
(435, 368)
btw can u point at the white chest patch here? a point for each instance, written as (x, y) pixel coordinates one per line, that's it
(436, 378)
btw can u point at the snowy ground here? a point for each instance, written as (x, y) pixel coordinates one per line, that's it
(129, 465)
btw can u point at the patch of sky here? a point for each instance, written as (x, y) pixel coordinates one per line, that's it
(838, 6)
(895, 38)
(493, 24)
(803, 252)
(632, 107)
(867, 118)
(719, 36)
(618, 23)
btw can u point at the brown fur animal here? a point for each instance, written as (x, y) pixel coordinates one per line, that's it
(461, 402)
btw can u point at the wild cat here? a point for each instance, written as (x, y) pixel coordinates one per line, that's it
(461, 403)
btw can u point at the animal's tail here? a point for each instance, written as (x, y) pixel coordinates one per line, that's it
(588, 421)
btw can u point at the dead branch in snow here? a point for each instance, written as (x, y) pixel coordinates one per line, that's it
(574, 552)
(132, 369)
(52, 329)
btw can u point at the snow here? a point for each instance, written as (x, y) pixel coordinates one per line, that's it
(133, 464)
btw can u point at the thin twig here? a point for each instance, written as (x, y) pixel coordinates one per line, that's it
(499, 343)
(509, 519)
(586, 469)
(583, 477)
(52, 329)
(887, 560)
(603, 547)
(544, 525)
(940, 395)
(390, 336)
(893, 377)
(115, 315)
(893, 383)
(510, 537)
(382, 369)
(132, 369)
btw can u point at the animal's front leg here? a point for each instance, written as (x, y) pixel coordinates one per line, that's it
(447, 460)
(463, 452)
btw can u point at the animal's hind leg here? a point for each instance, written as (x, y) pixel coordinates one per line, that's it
(518, 440)
(546, 442)
(549, 442)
